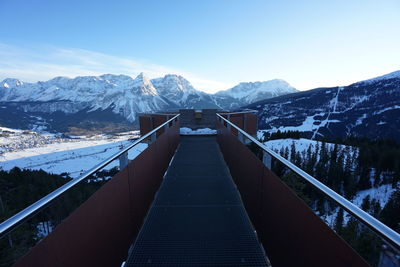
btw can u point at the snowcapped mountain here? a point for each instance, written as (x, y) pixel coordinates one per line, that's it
(181, 93)
(392, 75)
(368, 108)
(122, 94)
(88, 101)
(249, 92)
(126, 96)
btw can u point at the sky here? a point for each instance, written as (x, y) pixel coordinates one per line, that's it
(215, 44)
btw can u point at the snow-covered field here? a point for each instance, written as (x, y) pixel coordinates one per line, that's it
(58, 155)
(300, 144)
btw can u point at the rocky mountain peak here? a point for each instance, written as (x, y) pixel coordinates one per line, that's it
(143, 85)
(10, 83)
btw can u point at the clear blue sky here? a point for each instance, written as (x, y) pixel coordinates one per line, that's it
(215, 44)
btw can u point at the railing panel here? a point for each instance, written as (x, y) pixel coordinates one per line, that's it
(289, 225)
(292, 235)
(101, 230)
(145, 124)
(245, 178)
(237, 120)
(79, 239)
(147, 170)
(157, 121)
(251, 123)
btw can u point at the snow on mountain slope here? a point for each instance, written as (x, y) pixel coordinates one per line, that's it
(115, 99)
(381, 194)
(250, 92)
(392, 75)
(119, 93)
(303, 144)
(367, 109)
(10, 82)
(180, 92)
(122, 94)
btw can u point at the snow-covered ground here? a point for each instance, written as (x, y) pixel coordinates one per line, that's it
(74, 156)
(14, 139)
(310, 124)
(202, 131)
(303, 144)
(300, 144)
(381, 194)
(31, 143)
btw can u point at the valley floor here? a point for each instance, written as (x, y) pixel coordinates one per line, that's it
(58, 155)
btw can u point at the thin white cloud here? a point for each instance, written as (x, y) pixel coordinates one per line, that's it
(44, 63)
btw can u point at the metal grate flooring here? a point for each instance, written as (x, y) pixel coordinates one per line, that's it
(197, 218)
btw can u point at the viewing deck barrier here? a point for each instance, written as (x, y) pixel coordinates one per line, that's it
(305, 235)
(101, 230)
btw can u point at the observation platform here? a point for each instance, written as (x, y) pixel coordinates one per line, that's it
(195, 201)
(197, 218)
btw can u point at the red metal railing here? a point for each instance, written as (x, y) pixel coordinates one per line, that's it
(290, 232)
(101, 230)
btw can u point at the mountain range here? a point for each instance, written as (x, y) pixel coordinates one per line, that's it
(369, 108)
(108, 103)
(112, 101)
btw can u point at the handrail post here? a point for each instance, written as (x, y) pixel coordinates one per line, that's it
(153, 137)
(228, 125)
(123, 160)
(241, 137)
(245, 122)
(267, 159)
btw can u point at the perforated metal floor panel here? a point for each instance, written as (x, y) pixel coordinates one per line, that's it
(197, 218)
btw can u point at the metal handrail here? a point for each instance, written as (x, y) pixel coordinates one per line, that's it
(12, 222)
(385, 232)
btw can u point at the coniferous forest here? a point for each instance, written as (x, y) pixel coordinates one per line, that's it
(347, 166)
(20, 188)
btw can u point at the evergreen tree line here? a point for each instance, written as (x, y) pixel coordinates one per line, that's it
(347, 170)
(281, 135)
(21, 188)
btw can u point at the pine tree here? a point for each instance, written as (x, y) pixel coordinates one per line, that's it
(338, 226)
(391, 212)
(366, 204)
(293, 152)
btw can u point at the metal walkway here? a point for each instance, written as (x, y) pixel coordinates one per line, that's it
(197, 218)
